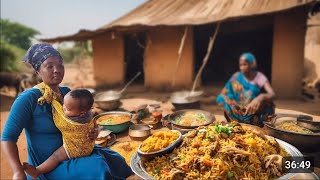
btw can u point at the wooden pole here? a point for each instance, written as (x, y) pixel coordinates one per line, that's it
(182, 43)
(206, 58)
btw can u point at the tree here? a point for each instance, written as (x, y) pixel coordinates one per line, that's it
(10, 57)
(15, 39)
(16, 34)
(79, 50)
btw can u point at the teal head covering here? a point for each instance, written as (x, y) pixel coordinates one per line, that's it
(250, 59)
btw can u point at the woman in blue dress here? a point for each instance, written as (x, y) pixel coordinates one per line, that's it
(248, 96)
(43, 137)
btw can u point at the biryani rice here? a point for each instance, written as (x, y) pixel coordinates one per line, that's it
(158, 141)
(194, 159)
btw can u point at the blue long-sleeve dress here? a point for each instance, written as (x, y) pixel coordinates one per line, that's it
(43, 138)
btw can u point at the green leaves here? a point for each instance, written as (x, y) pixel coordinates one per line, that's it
(223, 129)
(10, 56)
(15, 39)
(17, 34)
(229, 175)
(156, 171)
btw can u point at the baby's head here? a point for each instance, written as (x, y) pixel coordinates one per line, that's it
(77, 102)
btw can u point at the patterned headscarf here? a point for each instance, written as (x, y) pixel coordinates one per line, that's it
(250, 59)
(38, 53)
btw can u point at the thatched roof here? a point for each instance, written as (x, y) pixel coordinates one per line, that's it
(189, 12)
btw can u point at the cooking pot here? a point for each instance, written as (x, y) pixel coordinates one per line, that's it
(186, 99)
(110, 100)
(304, 142)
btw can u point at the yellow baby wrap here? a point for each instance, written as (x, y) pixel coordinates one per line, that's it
(75, 140)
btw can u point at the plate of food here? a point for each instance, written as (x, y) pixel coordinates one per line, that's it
(105, 138)
(159, 143)
(190, 118)
(219, 152)
(126, 149)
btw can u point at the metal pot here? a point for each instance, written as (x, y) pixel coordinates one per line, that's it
(139, 131)
(170, 120)
(181, 97)
(108, 100)
(304, 142)
(186, 99)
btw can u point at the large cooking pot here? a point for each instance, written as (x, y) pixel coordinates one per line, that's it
(170, 120)
(108, 100)
(186, 99)
(304, 142)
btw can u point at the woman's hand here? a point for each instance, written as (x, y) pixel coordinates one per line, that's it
(253, 106)
(20, 175)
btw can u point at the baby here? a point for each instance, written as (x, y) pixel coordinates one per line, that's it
(76, 108)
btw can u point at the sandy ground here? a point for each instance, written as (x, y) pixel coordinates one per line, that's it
(84, 78)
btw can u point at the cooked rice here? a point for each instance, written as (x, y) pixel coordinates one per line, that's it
(293, 127)
(205, 154)
(126, 149)
(158, 141)
(191, 119)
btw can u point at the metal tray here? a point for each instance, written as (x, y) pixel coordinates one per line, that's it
(137, 168)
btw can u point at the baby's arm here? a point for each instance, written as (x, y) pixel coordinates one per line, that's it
(50, 164)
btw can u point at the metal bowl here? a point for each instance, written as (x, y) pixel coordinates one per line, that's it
(182, 97)
(151, 155)
(108, 105)
(186, 99)
(309, 124)
(139, 131)
(304, 142)
(115, 128)
(108, 100)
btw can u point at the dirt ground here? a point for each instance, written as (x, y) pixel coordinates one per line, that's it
(84, 78)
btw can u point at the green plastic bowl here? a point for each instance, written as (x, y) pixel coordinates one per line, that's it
(115, 128)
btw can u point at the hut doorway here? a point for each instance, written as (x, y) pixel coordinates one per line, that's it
(227, 49)
(134, 56)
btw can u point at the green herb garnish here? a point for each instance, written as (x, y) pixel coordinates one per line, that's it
(229, 175)
(223, 129)
(156, 171)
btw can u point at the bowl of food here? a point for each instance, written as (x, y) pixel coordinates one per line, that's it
(286, 128)
(139, 131)
(190, 118)
(115, 121)
(159, 143)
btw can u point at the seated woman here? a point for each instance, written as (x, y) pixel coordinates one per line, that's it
(247, 96)
(43, 137)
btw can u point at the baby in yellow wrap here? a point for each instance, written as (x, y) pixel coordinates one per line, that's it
(73, 119)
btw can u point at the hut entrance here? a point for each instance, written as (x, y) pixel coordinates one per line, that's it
(134, 51)
(228, 47)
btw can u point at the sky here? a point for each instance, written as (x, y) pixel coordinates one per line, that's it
(54, 18)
